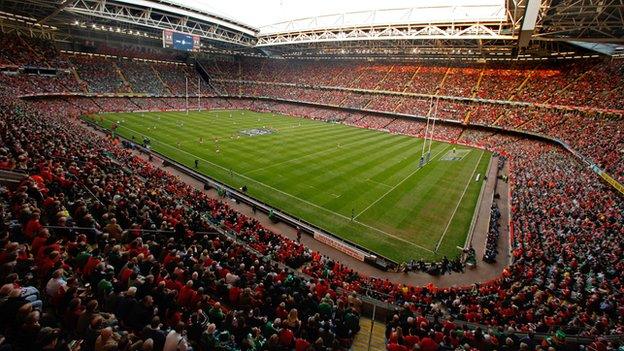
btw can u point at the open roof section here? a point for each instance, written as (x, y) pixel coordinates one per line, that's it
(139, 17)
(202, 10)
(472, 11)
(158, 14)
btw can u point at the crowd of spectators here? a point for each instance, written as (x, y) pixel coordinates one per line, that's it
(19, 51)
(103, 250)
(13, 52)
(142, 77)
(22, 83)
(460, 81)
(491, 241)
(175, 77)
(534, 266)
(142, 52)
(593, 83)
(100, 74)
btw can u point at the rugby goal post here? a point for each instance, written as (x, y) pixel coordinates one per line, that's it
(422, 154)
(435, 117)
(433, 109)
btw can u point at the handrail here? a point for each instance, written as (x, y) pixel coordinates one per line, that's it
(428, 96)
(583, 109)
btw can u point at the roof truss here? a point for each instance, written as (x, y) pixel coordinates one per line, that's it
(391, 32)
(157, 19)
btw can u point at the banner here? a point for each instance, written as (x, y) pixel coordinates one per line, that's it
(340, 246)
(613, 182)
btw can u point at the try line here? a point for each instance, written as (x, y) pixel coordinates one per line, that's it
(448, 224)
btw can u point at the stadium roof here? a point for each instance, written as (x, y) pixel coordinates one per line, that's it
(330, 28)
(279, 16)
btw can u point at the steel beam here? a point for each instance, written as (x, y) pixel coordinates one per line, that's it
(152, 17)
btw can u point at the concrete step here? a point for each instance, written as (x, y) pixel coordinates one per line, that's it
(377, 341)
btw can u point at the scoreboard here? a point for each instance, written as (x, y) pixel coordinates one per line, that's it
(180, 41)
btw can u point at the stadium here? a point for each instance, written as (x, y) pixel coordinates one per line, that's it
(279, 175)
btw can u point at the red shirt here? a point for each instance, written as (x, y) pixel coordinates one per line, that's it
(234, 294)
(411, 340)
(31, 228)
(37, 243)
(448, 325)
(186, 295)
(301, 345)
(92, 262)
(124, 275)
(396, 347)
(427, 344)
(286, 337)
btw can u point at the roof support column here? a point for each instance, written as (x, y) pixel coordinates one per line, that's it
(528, 23)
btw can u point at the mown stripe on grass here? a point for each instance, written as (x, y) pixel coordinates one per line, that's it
(399, 183)
(448, 224)
(322, 188)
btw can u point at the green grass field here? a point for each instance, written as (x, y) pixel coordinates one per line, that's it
(324, 173)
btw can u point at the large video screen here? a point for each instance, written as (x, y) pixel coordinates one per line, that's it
(180, 41)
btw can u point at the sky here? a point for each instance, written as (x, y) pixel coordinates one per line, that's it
(264, 12)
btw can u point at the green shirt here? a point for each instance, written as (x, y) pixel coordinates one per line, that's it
(268, 329)
(104, 287)
(325, 309)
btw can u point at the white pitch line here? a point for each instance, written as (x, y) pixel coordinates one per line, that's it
(448, 224)
(395, 237)
(463, 154)
(289, 195)
(376, 182)
(399, 183)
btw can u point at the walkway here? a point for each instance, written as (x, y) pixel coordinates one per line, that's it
(364, 341)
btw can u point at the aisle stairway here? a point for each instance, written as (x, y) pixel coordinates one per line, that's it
(83, 85)
(126, 83)
(161, 80)
(377, 341)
